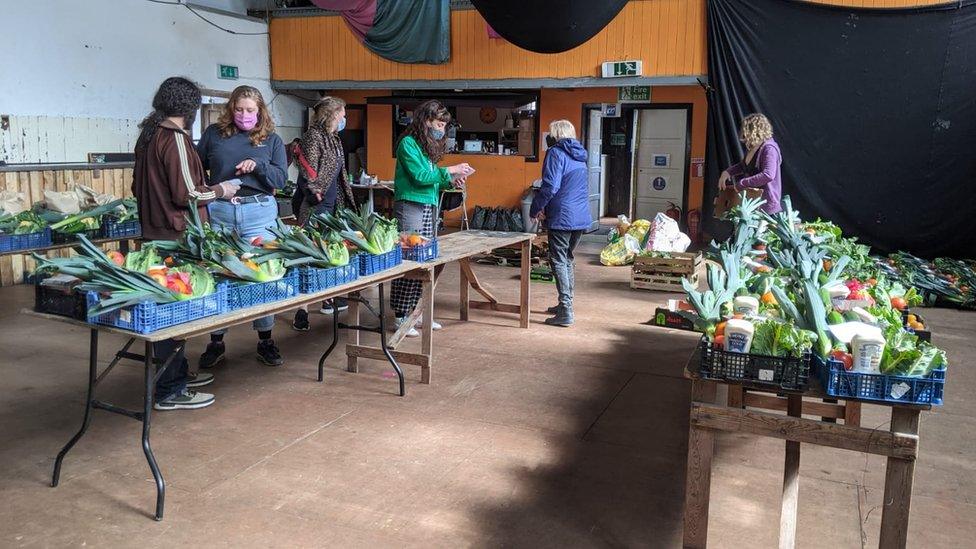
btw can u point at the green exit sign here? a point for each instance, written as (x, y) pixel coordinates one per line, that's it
(634, 93)
(617, 69)
(227, 72)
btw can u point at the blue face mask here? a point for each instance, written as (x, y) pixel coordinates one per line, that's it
(436, 134)
(342, 124)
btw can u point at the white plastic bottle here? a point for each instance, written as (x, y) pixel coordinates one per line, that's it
(738, 335)
(867, 347)
(746, 304)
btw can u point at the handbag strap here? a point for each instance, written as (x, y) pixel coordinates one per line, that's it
(310, 172)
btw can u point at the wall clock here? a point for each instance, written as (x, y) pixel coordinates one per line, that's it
(488, 114)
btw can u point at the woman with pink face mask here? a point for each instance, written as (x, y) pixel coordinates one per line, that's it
(243, 147)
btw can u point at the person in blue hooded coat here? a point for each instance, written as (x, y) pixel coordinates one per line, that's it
(562, 203)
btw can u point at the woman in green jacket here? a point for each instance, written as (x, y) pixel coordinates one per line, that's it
(418, 184)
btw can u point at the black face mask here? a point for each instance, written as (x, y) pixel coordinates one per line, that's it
(550, 141)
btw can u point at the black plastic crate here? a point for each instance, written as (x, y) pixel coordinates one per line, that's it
(70, 238)
(789, 373)
(57, 301)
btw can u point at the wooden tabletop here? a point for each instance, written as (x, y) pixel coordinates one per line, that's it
(451, 247)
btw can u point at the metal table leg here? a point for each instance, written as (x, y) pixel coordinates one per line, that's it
(381, 330)
(92, 371)
(151, 377)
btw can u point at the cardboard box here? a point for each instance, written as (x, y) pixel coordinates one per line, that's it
(729, 198)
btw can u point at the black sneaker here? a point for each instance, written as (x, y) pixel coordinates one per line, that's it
(338, 304)
(268, 353)
(301, 321)
(213, 356)
(554, 309)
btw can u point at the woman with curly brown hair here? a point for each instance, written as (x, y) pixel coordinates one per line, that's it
(243, 146)
(418, 182)
(760, 169)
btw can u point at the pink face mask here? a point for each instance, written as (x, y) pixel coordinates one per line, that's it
(245, 121)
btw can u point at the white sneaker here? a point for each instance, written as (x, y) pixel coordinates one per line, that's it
(412, 332)
(434, 325)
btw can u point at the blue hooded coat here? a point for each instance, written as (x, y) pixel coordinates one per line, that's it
(564, 195)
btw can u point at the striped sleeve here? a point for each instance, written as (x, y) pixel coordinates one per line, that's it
(186, 175)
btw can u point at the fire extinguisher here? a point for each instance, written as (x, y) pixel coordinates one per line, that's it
(674, 212)
(694, 226)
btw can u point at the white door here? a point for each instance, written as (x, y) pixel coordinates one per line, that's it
(594, 165)
(662, 145)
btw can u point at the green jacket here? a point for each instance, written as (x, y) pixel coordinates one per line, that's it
(417, 179)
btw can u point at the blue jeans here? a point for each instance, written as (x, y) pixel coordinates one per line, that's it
(173, 380)
(250, 220)
(562, 244)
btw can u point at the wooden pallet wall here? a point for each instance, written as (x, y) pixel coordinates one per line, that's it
(115, 181)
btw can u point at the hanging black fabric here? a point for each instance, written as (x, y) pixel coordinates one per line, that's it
(544, 26)
(874, 111)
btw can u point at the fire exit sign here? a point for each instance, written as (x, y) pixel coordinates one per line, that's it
(617, 69)
(227, 72)
(634, 93)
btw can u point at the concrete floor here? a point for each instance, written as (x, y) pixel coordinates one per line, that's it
(527, 438)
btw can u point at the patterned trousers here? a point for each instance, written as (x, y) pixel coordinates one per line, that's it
(417, 218)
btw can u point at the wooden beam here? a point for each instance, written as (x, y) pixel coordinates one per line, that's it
(473, 281)
(899, 478)
(772, 402)
(736, 397)
(465, 286)
(698, 480)
(401, 357)
(404, 328)
(525, 288)
(901, 445)
(852, 413)
(502, 307)
(791, 482)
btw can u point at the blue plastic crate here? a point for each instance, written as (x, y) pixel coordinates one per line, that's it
(315, 279)
(425, 252)
(149, 316)
(374, 263)
(840, 383)
(112, 228)
(12, 242)
(248, 294)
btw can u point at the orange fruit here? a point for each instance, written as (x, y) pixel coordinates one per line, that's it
(768, 298)
(415, 240)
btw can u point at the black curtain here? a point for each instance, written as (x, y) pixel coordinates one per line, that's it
(544, 26)
(875, 112)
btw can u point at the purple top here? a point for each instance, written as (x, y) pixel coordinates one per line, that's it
(762, 173)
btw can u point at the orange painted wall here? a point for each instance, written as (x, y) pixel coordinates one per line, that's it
(668, 35)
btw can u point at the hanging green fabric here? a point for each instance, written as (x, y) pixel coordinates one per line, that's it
(411, 31)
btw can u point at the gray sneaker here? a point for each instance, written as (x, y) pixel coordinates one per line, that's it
(187, 400)
(199, 379)
(562, 318)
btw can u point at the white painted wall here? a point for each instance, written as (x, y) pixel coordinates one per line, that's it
(80, 76)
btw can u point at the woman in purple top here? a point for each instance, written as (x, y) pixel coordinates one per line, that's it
(760, 169)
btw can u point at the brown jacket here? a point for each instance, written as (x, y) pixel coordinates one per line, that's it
(167, 175)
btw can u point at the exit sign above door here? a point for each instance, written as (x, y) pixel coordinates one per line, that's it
(227, 72)
(617, 69)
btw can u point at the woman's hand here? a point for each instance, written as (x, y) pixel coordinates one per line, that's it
(228, 189)
(723, 180)
(462, 169)
(459, 182)
(246, 166)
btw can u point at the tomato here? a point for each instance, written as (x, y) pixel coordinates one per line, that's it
(257, 241)
(116, 257)
(844, 358)
(169, 261)
(768, 298)
(719, 341)
(720, 329)
(899, 303)
(178, 285)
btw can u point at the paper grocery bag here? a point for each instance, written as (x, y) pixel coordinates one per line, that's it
(12, 202)
(64, 202)
(728, 198)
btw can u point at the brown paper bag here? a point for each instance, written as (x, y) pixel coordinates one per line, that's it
(728, 198)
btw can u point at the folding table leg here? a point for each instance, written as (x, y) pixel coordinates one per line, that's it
(335, 340)
(92, 371)
(383, 345)
(146, 423)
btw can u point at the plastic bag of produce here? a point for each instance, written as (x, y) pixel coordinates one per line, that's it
(665, 236)
(13, 202)
(621, 252)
